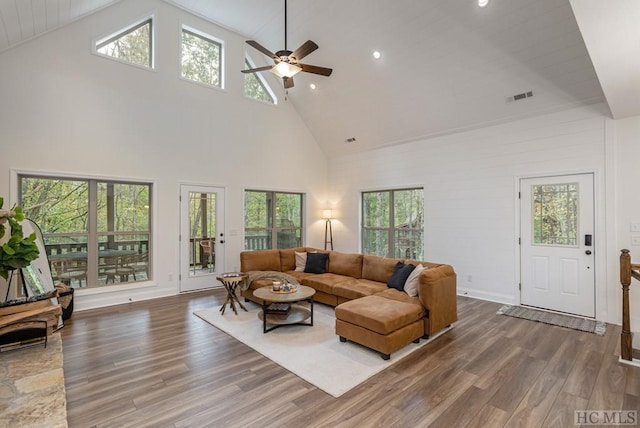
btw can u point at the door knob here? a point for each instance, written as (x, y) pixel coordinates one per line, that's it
(588, 252)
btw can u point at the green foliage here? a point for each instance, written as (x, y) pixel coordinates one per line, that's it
(133, 46)
(255, 88)
(200, 59)
(61, 208)
(18, 251)
(393, 223)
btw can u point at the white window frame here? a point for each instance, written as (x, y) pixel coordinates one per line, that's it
(392, 244)
(125, 30)
(153, 195)
(213, 39)
(261, 79)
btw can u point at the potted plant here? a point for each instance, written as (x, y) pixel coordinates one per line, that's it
(17, 252)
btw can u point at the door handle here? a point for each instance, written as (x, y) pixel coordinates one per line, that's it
(588, 252)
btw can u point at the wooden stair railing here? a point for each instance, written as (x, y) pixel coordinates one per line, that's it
(628, 270)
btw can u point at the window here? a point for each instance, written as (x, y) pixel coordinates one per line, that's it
(555, 214)
(133, 45)
(393, 223)
(272, 220)
(96, 232)
(201, 58)
(255, 87)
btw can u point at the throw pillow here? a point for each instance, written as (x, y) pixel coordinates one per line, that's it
(400, 274)
(411, 286)
(316, 263)
(301, 261)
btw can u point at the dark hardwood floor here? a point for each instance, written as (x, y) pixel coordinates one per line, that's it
(155, 364)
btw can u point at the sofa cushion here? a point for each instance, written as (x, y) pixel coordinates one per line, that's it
(411, 284)
(399, 276)
(324, 282)
(288, 259)
(377, 268)
(316, 263)
(298, 275)
(345, 264)
(260, 260)
(400, 296)
(301, 261)
(356, 288)
(379, 314)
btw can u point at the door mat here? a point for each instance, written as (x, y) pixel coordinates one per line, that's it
(575, 323)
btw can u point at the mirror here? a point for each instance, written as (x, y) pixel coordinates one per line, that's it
(37, 276)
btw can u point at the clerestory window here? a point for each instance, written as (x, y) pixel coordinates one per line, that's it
(201, 58)
(256, 87)
(134, 44)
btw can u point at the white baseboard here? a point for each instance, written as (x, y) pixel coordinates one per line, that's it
(487, 295)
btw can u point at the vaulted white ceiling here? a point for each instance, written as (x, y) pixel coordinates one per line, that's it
(446, 66)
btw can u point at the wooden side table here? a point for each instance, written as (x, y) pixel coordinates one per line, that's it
(231, 281)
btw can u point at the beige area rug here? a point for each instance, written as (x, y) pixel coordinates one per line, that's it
(32, 392)
(313, 353)
(552, 318)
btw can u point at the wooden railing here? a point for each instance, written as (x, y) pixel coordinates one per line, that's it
(628, 270)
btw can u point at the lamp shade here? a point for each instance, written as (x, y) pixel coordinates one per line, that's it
(284, 69)
(327, 214)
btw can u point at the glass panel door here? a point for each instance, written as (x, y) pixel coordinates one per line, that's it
(201, 237)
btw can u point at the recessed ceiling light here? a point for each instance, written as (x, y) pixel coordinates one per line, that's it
(313, 86)
(483, 3)
(377, 54)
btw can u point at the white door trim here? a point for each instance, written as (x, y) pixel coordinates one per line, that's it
(600, 244)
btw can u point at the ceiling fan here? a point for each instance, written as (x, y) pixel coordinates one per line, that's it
(287, 62)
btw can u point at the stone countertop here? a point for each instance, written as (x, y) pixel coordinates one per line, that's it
(32, 391)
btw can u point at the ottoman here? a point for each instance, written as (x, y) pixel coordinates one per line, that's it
(381, 324)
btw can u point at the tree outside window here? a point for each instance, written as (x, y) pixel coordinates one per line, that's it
(393, 223)
(96, 232)
(134, 45)
(201, 58)
(272, 220)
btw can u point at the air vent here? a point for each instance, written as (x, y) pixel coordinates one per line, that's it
(521, 96)
(350, 140)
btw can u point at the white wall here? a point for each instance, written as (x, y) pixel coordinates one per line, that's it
(627, 176)
(64, 109)
(471, 184)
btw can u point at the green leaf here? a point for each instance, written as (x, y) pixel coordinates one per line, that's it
(1, 202)
(8, 249)
(19, 214)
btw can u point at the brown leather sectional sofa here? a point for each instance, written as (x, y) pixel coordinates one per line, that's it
(367, 311)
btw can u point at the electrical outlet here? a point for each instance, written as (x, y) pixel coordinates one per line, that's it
(635, 240)
(170, 277)
(469, 278)
(635, 227)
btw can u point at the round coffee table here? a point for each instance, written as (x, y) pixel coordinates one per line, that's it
(298, 314)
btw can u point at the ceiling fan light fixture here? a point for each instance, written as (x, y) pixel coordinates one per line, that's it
(483, 3)
(285, 69)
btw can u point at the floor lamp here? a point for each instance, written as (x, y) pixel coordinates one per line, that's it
(328, 233)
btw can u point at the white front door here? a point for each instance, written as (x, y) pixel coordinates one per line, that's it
(201, 236)
(557, 255)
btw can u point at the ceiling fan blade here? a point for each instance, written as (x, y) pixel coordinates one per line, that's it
(288, 82)
(323, 71)
(261, 48)
(304, 50)
(255, 70)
